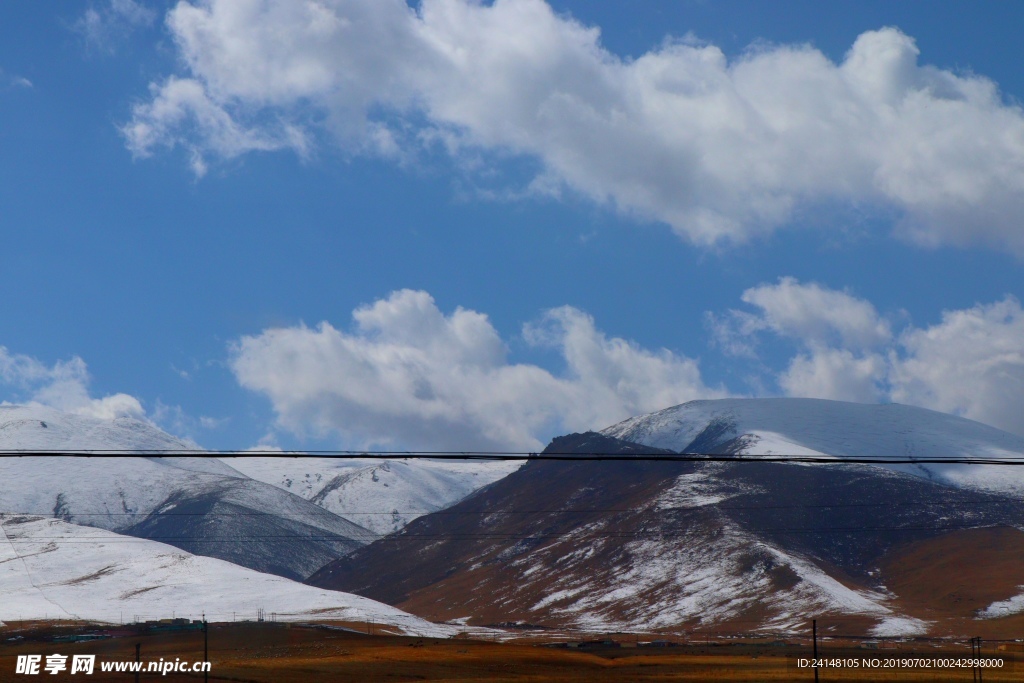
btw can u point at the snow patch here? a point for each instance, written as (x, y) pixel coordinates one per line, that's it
(899, 626)
(50, 568)
(1003, 608)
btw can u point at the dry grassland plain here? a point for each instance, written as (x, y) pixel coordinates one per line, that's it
(278, 653)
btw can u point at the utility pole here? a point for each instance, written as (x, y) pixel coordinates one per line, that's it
(206, 650)
(138, 646)
(976, 655)
(814, 637)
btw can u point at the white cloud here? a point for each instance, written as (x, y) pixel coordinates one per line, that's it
(719, 149)
(817, 315)
(612, 379)
(971, 363)
(267, 444)
(103, 25)
(207, 422)
(841, 339)
(18, 81)
(180, 101)
(174, 419)
(836, 374)
(410, 376)
(64, 385)
(821, 321)
(10, 81)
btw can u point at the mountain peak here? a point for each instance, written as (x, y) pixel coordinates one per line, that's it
(41, 428)
(807, 426)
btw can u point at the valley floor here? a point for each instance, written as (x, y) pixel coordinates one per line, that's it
(285, 653)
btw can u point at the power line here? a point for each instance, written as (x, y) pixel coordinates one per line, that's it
(652, 533)
(651, 456)
(663, 508)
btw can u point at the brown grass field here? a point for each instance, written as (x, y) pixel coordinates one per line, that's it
(271, 653)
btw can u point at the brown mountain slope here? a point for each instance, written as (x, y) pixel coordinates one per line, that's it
(668, 545)
(957, 574)
(466, 560)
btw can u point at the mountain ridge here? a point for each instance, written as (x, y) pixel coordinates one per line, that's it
(663, 544)
(804, 426)
(198, 503)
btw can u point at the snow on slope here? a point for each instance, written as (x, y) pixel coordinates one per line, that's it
(52, 569)
(802, 426)
(710, 574)
(112, 492)
(1002, 608)
(381, 495)
(697, 581)
(37, 427)
(118, 492)
(204, 504)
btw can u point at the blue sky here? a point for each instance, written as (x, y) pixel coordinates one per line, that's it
(544, 229)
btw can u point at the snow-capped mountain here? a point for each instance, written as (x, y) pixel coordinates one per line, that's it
(381, 495)
(198, 503)
(285, 515)
(40, 428)
(60, 555)
(55, 570)
(738, 545)
(806, 426)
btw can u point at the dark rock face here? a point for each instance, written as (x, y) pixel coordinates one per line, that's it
(224, 522)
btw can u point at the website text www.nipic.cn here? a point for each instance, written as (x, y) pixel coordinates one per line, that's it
(85, 664)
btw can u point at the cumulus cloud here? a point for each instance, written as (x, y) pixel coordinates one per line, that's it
(818, 315)
(970, 363)
(836, 374)
(409, 375)
(182, 102)
(720, 149)
(841, 339)
(64, 385)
